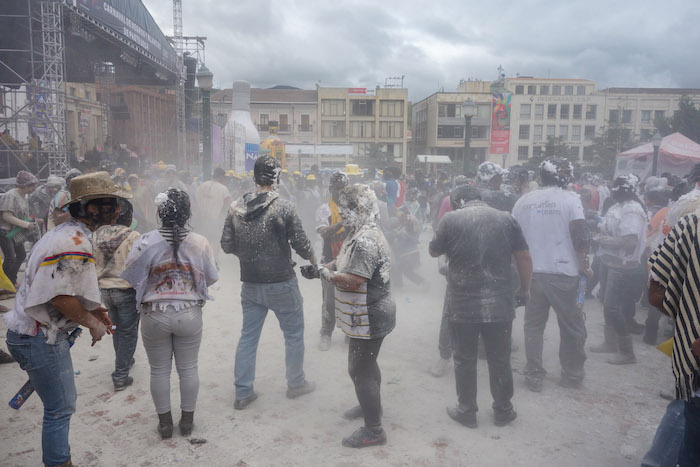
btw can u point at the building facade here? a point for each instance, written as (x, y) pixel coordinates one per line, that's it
(372, 120)
(572, 110)
(84, 119)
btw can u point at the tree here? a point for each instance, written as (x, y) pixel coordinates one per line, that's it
(376, 157)
(555, 146)
(686, 120)
(611, 141)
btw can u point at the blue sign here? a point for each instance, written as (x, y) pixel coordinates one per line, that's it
(251, 154)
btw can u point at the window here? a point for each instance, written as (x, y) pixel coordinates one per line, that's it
(391, 108)
(564, 112)
(576, 133)
(305, 126)
(520, 89)
(480, 131)
(587, 153)
(551, 129)
(537, 151)
(626, 116)
(591, 111)
(264, 122)
(284, 122)
(577, 111)
(658, 114)
(525, 111)
(395, 129)
(333, 128)
(614, 116)
(362, 107)
(523, 152)
(448, 110)
(362, 129)
(539, 111)
(88, 95)
(447, 131)
(72, 92)
(564, 132)
(544, 89)
(574, 152)
(532, 89)
(483, 111)
(569, 90)
(551, 111)
(538, 133)
(589, 132)
(646, 116)
(98, 97)
(580, 90)
(556, 90)
(524, 132)
(333, 107)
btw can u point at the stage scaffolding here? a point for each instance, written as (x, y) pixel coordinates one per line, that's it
(34, 109)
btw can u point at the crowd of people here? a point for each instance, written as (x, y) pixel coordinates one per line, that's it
(114, 251)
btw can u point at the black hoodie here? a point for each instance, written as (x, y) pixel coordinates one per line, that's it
(259, 229)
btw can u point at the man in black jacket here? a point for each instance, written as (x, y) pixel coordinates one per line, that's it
(259, 229)
(479, 242)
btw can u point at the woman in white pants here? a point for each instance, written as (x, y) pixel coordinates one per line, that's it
(171, 269)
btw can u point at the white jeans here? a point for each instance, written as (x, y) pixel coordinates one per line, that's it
(167, 333)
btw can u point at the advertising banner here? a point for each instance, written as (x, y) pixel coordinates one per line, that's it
(251, 154)
(500, 124)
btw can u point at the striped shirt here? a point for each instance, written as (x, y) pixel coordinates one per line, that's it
(676, 266)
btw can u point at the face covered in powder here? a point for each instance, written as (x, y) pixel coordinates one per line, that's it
(358, 207)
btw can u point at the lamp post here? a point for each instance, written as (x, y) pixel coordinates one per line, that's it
(656, 142)
(205, 79)
(299, 152)
(468, 110)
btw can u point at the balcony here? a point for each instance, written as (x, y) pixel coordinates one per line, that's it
(263, 127)
(306, 128)
(284, 128)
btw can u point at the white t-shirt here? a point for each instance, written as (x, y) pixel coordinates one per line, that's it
(544, 215)
(624, 219)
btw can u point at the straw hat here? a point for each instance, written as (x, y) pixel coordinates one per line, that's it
(93, 186)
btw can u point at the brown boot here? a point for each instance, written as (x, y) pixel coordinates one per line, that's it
(67, 463)
(626, 354)
(609, 345)
(165, 425)
(186, 423)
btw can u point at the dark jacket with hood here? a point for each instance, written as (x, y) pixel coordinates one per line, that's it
(259, 229)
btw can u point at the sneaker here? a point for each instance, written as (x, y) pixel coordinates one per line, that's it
(121, 385)
(325, 343)
(240, 404)
(307, 387)
(364, 437)
(5, 357)
(467, 419)
(504, 418)
(440, 368)
(533, 384)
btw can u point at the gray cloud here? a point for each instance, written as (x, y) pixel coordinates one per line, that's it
(360, 43)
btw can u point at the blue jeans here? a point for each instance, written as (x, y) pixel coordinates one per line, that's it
(668, 438)
(50, 370)
(690, 449)
(121, 305)
(285, 300)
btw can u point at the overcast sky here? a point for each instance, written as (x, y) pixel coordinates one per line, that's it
(436, 43)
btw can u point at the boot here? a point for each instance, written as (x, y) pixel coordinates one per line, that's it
(67, 463)
(626, 354)
(165, 425)
(186, 423)
(609, 345)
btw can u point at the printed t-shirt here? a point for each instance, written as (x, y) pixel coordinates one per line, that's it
(544, 216)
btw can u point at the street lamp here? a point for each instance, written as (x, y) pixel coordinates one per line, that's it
(205, 79)
(468, 110)
(656, 142)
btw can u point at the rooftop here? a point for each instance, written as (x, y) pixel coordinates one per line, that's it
(270, 95)
(651, 91)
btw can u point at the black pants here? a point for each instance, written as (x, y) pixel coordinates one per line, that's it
(13, 257)
(365, 374)
(496, 337)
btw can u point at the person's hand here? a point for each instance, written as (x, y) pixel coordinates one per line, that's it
(310, 271)
(696, 347)
(588, 272)
(325, 273)
(39, 222)
(97, 332)
(522, 296)
(103, 317)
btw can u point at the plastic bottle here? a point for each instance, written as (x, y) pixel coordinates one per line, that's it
(240, 114)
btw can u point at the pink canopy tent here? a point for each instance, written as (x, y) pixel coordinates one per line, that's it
(677, 155)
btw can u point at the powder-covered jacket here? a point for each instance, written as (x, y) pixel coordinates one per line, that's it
(111, 245)
(259, 229)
